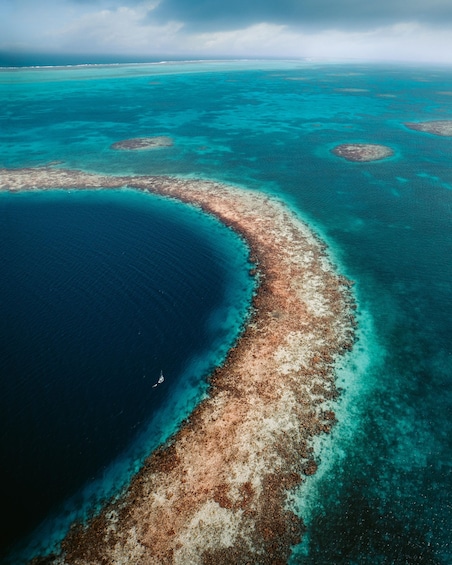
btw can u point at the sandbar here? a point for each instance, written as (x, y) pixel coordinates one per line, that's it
(437, 127)
(362, 152)
(142, 143)
(217, 491)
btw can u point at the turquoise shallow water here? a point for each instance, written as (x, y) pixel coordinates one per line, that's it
(382, 493)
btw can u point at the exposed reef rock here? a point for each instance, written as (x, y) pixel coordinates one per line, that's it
(141, 143)
(437, 127)
(361, 152)
(217, 491)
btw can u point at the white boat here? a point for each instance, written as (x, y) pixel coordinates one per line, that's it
(160, 381)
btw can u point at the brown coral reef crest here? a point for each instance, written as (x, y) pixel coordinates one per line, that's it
(217, 492)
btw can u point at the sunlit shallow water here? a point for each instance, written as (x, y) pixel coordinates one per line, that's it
(382, 493)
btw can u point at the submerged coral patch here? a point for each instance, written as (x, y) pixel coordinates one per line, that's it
(141, 143)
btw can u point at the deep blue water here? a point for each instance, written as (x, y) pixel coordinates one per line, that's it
(383, 490)
(100, 291)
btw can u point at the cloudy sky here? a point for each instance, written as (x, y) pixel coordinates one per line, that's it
(405, 30)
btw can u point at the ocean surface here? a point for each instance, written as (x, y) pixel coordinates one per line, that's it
(101, 291)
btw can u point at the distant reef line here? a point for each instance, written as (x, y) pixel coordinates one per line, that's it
(217, 491)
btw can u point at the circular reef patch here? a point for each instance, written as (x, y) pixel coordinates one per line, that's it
(361, 152)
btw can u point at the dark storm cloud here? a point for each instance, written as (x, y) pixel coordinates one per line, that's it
(213, 15)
